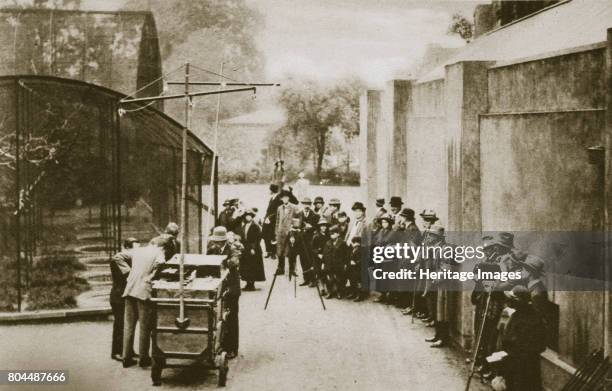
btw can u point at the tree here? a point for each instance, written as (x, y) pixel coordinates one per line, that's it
(207, 32)
(312, 112)
(461, 26)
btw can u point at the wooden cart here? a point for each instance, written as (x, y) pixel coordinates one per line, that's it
(200, 342)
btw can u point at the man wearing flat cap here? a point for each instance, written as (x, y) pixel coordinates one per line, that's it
(285, 214)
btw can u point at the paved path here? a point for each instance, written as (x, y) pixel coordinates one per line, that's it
(294, 345)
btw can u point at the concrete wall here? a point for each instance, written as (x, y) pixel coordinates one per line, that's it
(543, 116)
(504, 147)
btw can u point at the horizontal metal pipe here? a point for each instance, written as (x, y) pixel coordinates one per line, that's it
(216, 83)
(190, 95)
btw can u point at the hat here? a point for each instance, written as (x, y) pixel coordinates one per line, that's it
(172, 229)
(380, 202)
(386, 216)
(274, 188)
(319, 200)
(285, 193)
(323, 221)
(429, 214)
(219, 234)
(534, 264)
(227, 202)
(436, 230)
(407, 213)
(396, 201)
(356, 239)
(505, 239)
(358, 206)
(234, 201)
(250, 211)
(128, 242)
(341, 214)
(334, 201)
(334, 229)
(306, 200)
(519, 293)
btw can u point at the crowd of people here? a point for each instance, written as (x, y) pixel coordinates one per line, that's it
(331, 247)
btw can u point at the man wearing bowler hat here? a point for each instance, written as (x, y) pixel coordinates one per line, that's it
(357, 225)
(319, 205)
(395, 205)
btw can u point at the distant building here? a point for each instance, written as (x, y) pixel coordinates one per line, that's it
(242, 143)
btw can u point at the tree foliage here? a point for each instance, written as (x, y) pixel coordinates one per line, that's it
(313, 111)
(207, 32)
(462, 27)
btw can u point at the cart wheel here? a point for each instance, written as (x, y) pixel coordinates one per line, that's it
(223, 369)
(156, 370)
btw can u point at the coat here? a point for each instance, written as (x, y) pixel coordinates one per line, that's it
(311, 219)
(233, 252)
(269, 224)
(335, 255)
(356, 228)
(145, 262)
(120, 266)
(251, 262)
(524, 339)
(284, 216)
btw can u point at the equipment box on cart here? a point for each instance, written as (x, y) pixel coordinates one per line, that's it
(197, 339)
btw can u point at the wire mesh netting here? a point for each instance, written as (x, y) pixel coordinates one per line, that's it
(77, 178)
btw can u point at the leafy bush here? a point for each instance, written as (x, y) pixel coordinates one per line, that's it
(54, 282)
(8, 288)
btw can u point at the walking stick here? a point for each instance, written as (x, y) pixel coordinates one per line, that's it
(270, 291)
(478, 340)
(294, 287)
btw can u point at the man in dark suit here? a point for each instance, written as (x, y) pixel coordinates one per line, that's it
(284, 216)
(309, 221)
(269, 223)
(335, 255)
(120, 266)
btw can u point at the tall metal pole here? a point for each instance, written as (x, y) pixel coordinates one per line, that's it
(181, 322)
(214, 159)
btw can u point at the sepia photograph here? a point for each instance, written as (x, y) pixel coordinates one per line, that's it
(401, 195)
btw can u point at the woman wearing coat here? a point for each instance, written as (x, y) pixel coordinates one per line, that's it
(251, 262)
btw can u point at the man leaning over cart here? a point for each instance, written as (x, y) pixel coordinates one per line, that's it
(219, 244)
(137, 294)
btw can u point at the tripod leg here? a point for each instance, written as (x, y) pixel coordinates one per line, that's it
(319, 292)
(270, 291)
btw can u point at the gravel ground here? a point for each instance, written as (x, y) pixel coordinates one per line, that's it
(293, 345)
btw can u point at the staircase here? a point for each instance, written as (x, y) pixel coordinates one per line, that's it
(91, 253)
